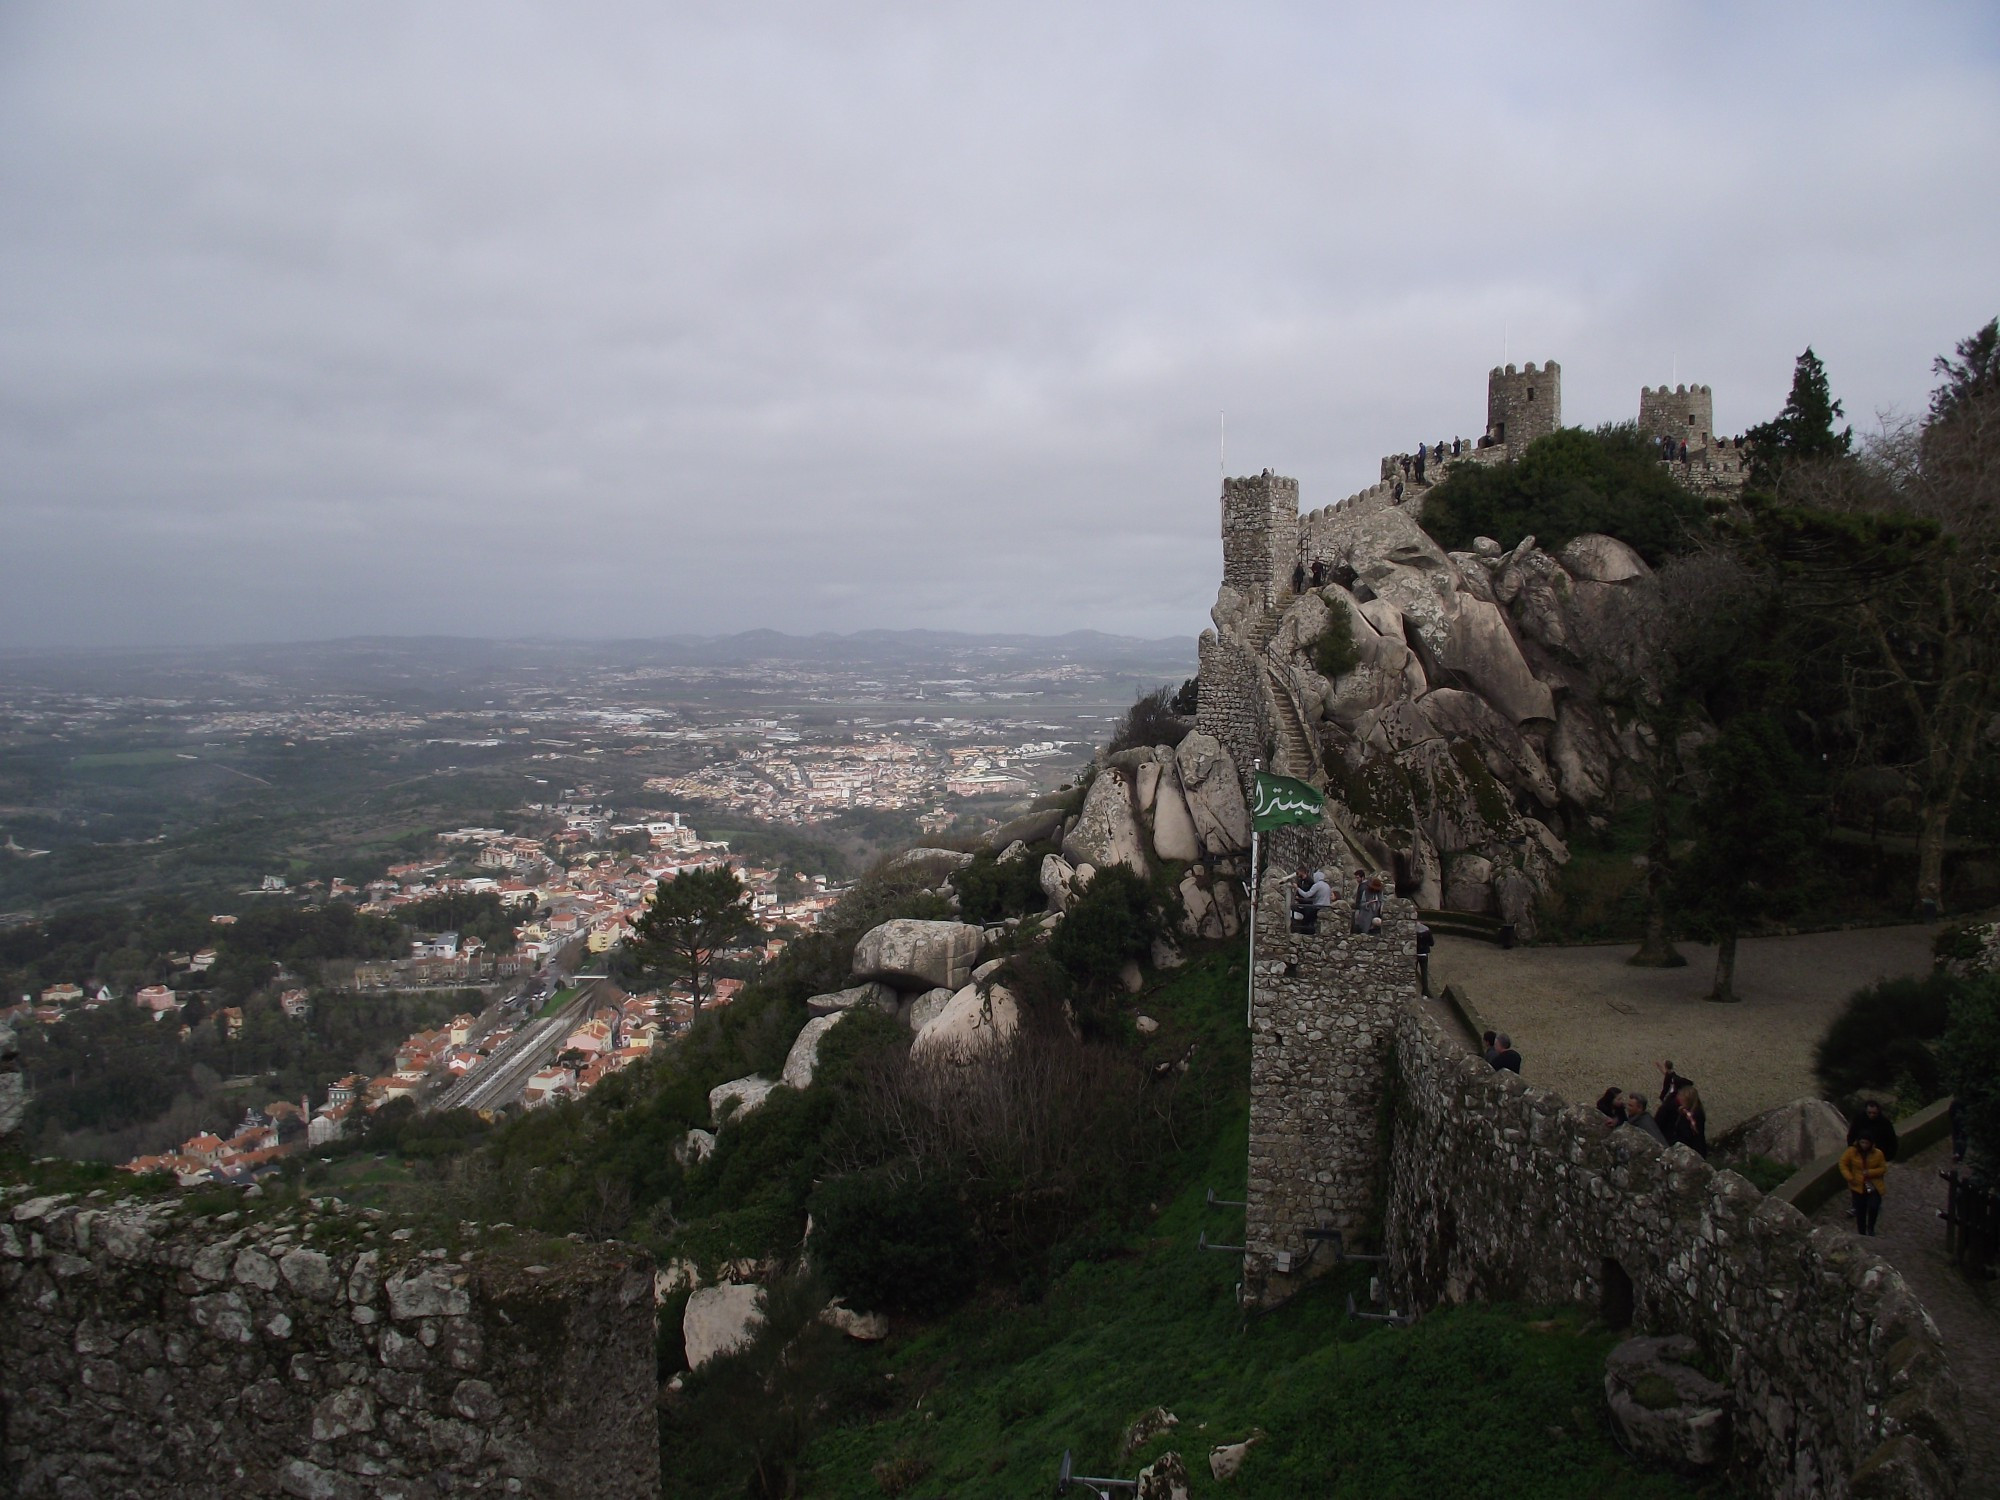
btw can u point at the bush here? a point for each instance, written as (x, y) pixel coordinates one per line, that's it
(1883, 1039)
(889, 1245)
(989, 891)
(1565, 484)
(1150, 721)
(1334, 653)
(1972, 1042)
(1113, 921)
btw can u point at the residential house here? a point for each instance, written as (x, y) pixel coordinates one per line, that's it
(158, 999)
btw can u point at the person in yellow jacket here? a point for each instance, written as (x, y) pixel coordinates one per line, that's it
(1865, 1169)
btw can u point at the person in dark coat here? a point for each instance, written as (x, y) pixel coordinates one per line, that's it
(1489, 1047)
(1639, 1118)
(1874, 1122)
(1504, 1055)
(1611, 1104)
(1685, 1121)
(1425, 941)
(1671, 1083)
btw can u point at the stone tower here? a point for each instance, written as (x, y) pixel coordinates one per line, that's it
(1686, 414)
(1523, 405)
(1260, 536)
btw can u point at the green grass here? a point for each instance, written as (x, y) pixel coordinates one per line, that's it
(557, 1001)
(1471, 1401)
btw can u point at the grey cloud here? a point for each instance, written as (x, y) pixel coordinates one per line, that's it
(600, 320)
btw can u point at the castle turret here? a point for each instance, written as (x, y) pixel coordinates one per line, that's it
(1686, 414)
(1260, 535)
(1523, 405)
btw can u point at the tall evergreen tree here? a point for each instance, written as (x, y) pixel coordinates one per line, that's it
(1803, 430)
(1753, 835)
(689, 917)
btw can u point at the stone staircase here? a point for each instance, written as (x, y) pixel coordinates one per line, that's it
(1294, 755)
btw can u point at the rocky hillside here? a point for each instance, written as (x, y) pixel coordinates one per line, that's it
(1464, 727)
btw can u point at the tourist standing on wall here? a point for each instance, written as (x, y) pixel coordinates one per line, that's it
(1866, 1169)
(1368, 910)
(1425, 940)
(1671, 1083)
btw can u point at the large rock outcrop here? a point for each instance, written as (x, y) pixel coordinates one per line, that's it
(972, 1022)
(918, 955)
(720, 1320)
(1107, 829)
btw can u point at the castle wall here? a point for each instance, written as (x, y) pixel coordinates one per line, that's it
(1499, 1191)
(150, 1351)
(1323, 1015)
(1491, 1189)
(1229, 702)
(1524, 404)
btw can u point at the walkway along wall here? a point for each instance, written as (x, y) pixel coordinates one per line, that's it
(1500, 1190)
(147, 1350)
(1366, 1117)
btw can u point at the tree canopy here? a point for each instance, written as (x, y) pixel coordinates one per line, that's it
(1803, 429)
(688, 919)
(1564, 485)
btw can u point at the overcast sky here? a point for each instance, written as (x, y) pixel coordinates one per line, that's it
(602, 319)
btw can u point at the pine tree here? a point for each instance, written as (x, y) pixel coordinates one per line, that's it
(690, 916)
(1803, 430)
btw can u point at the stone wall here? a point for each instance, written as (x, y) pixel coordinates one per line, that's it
(1500, 1191)
(1323, 1014)
(1229, 703)
(315, 1353)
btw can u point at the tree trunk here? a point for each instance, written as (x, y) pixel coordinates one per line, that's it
(1930, 853)
(1725, 968)
(1656, 950)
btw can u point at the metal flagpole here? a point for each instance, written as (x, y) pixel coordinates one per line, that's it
(1250, 999)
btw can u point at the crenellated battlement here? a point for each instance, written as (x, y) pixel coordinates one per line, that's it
(1523, 404)
(1684, 414)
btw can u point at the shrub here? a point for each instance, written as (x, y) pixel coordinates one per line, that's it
(1334, 653)
(1113, 921)
(988, 890)
(1563, 485)
(890, 1245)
(1972, 1042)
(1884, 1035)
(1150, 721)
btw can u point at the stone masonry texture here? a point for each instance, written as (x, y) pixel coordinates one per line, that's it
(1365, 1117)
(1501, 1191)
(1323, 1015)
(146, 1350)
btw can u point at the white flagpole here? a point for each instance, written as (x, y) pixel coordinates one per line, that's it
(1250, 999)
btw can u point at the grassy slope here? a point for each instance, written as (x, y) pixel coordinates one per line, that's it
(1471, 1402)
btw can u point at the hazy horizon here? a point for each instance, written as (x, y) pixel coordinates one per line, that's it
(510, 320)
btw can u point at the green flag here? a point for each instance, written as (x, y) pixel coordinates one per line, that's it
(1279, 799)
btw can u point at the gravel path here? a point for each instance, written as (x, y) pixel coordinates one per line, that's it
(1910, 1237)
(1584, 1020)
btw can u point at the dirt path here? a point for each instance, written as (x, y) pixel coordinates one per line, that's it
(1584, 1020)
(1911, 1238)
